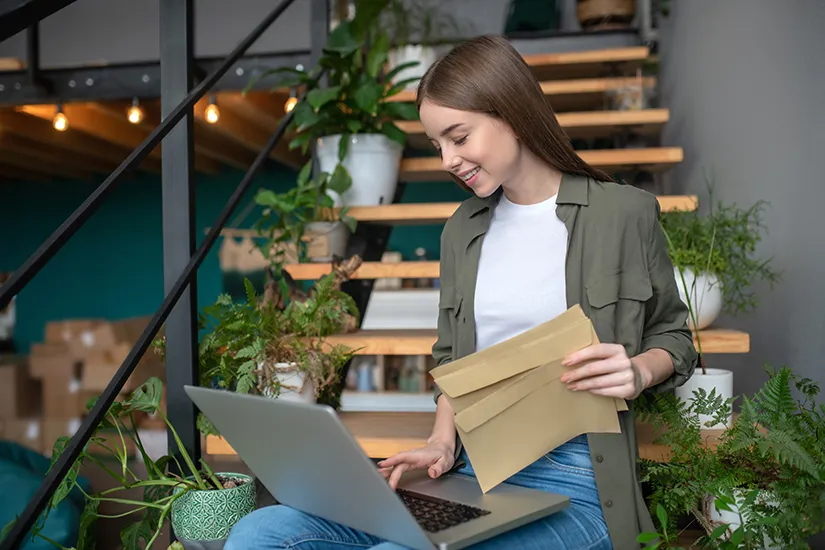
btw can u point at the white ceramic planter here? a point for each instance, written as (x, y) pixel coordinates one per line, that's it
(719, 379)
(294, 385)
(705, 295)
(425, 55)
(373, 161)
(731, 518)
(327, 239)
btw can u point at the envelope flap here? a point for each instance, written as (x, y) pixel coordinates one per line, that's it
(496, 403)
(489, 369)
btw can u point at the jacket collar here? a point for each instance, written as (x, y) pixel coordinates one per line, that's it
(572, 190)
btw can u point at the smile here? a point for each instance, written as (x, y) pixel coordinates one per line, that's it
(469, 175)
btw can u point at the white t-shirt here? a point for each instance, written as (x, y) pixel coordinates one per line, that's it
(521, 281)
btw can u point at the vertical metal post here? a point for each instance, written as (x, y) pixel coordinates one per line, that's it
(178, 192)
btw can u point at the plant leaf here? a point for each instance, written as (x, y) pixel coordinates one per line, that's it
(319, 97)
(394, 133)
(400, 110)
(341, 180)
(377, 55)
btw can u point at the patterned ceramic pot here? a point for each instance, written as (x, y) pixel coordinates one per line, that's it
(206, 516)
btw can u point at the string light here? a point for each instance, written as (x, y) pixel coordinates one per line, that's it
(212, 112)
(60, 122)
(291, 102)
(135, 113)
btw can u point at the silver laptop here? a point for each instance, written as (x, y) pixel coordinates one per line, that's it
(305, 456)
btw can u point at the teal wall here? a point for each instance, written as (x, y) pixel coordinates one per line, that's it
(113, 268)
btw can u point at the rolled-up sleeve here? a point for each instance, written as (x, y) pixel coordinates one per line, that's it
(666, 323)
(443, 348)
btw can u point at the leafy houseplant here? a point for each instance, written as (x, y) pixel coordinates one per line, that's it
(297, 216)
(350, 119)
(768, 468)
(201, 504)
(415, 29)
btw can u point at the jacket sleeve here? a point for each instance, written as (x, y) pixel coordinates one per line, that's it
(443, 348)
(666, 316)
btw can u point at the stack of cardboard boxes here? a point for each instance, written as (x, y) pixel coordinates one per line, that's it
(45, 395)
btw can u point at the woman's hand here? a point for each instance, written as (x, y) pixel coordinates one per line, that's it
(438, 457)
(610, 372)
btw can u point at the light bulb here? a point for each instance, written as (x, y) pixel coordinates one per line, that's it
(290, 104)
(60, 122)
(212, 113)
(135, 113)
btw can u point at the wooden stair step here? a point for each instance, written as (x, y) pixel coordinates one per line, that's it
(610, 160)
(573, 95)
(382, 434)
(587, 124)
(588, 63)
(420, 341)
(434, 213)
(369, 270)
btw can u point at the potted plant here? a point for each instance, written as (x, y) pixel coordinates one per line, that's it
(416, 28)
(761, 485)
(201, 505)
(304, 218)
(350, 119)
(715, 265)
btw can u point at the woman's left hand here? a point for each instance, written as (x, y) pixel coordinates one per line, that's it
(610, 372)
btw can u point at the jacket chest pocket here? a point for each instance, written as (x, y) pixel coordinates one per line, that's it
(449, 305)
(617, 303)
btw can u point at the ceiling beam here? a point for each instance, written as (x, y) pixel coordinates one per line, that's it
(117, 112)
(18, 15)
(18, 144)
(36, 164)
(21, 174)
(233, 125)
(79, 143)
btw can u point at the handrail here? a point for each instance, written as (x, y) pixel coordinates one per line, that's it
(21, 277)
(67, 229)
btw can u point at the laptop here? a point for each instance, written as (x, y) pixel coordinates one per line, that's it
(307, 458)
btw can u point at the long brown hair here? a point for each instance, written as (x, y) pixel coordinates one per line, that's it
(487, 75)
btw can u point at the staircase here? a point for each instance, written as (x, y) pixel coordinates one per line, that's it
(579, 86)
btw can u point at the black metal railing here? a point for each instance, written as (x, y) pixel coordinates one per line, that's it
(61, 236)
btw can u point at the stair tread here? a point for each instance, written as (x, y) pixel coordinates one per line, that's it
(420, 341)
(651, 158)
(439, 212)
(584, 124)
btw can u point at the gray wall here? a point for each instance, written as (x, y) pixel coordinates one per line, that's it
(745, 81)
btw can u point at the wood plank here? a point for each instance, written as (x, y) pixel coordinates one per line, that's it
(610, 160)
(439, 212)
(17, 144)
(34, 163)
(369, 270)
(589, 63)
(72, 141)
(573, 95)
(587, 124)
(420, 342)
(11, 64)
(382, 434)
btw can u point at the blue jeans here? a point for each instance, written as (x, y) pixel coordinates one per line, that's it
(566, 470)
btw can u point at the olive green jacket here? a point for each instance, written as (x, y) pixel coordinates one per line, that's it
(619, 271)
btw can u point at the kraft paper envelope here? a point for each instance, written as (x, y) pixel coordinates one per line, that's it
(512, 409)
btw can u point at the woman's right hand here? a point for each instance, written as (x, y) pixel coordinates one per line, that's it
(437, 456)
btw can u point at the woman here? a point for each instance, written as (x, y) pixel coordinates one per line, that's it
(543, 231)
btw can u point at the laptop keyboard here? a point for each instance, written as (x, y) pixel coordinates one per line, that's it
(434, 514)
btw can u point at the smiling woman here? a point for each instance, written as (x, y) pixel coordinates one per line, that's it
(541, 232)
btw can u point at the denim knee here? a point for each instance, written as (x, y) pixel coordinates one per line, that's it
(276, 521)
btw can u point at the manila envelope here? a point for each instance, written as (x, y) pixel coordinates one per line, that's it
(510, 406)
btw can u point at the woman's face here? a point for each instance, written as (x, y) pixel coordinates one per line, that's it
(476, 147)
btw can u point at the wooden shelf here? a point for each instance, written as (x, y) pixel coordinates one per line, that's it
(420, 342)
(424, 213)
(586, 124)
(585, 94)
(610, 160)
(369, 270)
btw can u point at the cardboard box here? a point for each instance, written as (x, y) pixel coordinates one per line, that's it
(20, 394)
(25, 431)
